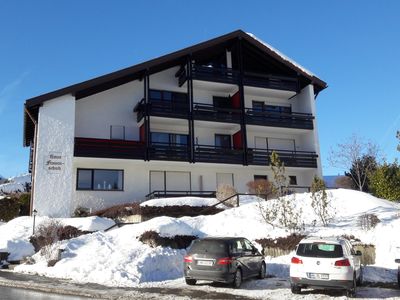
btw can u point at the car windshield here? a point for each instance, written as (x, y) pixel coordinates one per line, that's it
(207, 246)
(319, 250)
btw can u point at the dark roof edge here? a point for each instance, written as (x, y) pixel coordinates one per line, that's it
(141, 67)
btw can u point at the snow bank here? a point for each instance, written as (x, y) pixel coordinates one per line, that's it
(122, 260)
(191, 201)
(14, 235)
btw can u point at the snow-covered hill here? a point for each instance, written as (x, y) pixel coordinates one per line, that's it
(121, 260)
(15, 184)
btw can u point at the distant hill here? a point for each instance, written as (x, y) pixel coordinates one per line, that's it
(330, 180)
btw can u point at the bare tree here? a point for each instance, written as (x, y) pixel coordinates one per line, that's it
(358, 156)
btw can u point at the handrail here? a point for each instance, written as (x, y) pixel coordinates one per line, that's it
(209, 107)
(279, 114)
(185, 193)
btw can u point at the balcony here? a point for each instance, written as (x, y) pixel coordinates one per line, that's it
(279, 119)
(89, 147)
(214, 154)
(162, 108)
(231, 76)
(171, 152)
(209, 112)
(303, 159)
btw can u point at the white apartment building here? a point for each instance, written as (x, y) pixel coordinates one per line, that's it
(180, 124)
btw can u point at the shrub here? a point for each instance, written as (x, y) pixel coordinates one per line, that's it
(385, 181)
(224, 191)
(52, 231)
(81, 211)
(177, 211)
(118, 211)
(24, 200)
(368, 221)
(260, 187)
(344, 182)
(9, 208)
(153, 239)
(320, 201)
(284, 243)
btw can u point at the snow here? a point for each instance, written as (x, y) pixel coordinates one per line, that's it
(191, 201)
(283, 56)
(14, 235)
(121, 260)
(15, 184)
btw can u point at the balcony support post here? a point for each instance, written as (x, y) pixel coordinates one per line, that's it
(146, 114)
(189, 82)
(243, 129)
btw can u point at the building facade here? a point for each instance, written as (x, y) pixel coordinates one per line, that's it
(179, 124)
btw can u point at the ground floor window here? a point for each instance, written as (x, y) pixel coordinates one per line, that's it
(260, 177)
(292, 180)
(100, 180)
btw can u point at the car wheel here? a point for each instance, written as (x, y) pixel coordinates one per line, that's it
(295, 289)
(351, 293)
(360, 278)
(237, 279)
(261, 275)
(190, 281)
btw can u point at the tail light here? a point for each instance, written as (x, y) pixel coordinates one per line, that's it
(188, 259)
(342, 263)
(225, 261)
(296, 260)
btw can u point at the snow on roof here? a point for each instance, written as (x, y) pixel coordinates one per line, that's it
(283, 56)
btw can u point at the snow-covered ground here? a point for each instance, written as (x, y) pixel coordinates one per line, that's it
(117, 258)
(15, 184)
(191, 201)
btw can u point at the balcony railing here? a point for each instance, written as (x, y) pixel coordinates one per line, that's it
(303, 159)
(276, 119)
(270, 81)
(214, 154)
(89, 147)
(162, 108)
(166, 151)
(209, 112)
(228, 75)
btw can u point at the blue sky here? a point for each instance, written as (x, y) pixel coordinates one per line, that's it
(353, 45)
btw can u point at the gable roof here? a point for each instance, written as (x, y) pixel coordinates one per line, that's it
(101, 83)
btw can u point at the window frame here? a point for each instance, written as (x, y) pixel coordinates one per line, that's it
(219, 135)
(92, 180)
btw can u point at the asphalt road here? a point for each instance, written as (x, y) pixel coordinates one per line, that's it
(11, 293)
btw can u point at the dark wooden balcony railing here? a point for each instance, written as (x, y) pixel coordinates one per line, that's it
(228, 75)
(303, 159)
(89, 147)
(270, 81)
(166, 151)
(162, 108)
(276, 119)
(209, 112)
(214, 154)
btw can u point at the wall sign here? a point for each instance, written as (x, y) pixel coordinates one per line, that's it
(54, 162)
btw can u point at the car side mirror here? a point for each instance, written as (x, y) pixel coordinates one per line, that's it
(397, 260)
(358, 253)
(254, 250)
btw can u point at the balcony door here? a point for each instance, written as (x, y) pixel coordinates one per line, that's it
(223, 141)
(275, 143)
(169, 181)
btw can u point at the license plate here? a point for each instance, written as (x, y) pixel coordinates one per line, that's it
(205, 262)
(318, 276)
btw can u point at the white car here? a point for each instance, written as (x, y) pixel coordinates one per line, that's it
(325, 263)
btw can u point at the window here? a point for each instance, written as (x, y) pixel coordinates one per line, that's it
(278, 109)
(258, 106)
(292, 180)
(100, 180)
(260, 177)
(169, 138)
(222, 102)
(223, 141)
(167, 96)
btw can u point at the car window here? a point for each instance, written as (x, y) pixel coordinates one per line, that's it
(350, 248)
(207, 246)
(319, 250)
(248, 246)
(237, 246)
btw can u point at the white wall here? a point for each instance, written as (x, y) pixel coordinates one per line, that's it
(136, 178)
(95, 114)
(55, 136)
